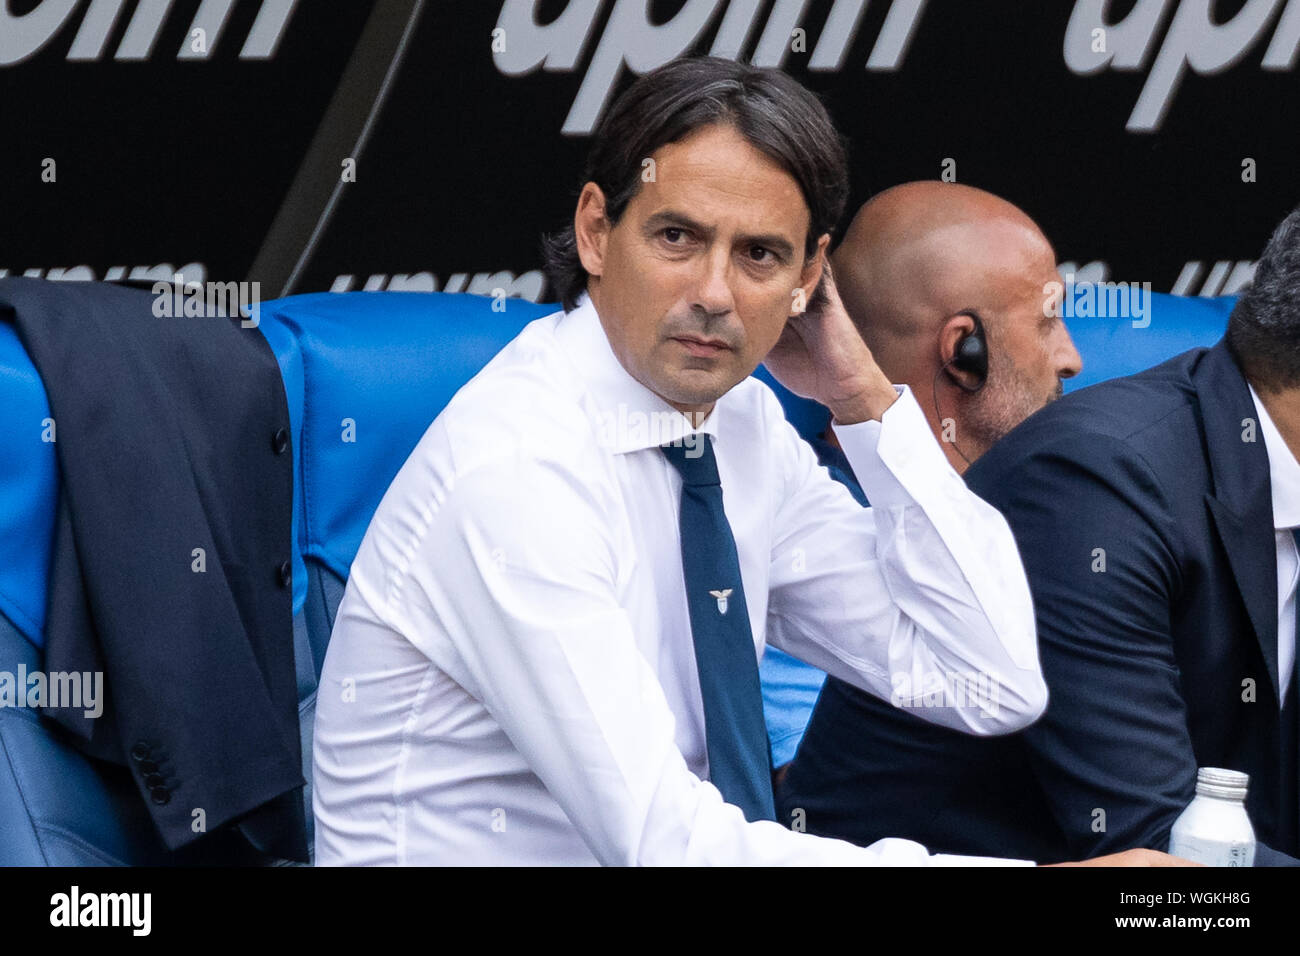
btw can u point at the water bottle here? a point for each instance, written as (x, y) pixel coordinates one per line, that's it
(1214, 829)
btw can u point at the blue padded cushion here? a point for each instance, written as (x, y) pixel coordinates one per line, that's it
(387, 362)
(28, 490)
(1112, 347)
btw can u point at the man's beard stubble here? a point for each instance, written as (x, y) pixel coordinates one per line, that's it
(1002, 404)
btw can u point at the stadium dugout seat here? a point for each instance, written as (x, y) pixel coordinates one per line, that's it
(364, 373)
(1114, 347)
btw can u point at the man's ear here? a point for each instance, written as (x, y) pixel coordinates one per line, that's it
(591, 229)
(813, 273)
(953, 330)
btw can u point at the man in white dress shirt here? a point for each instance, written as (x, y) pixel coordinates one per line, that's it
(517, 673)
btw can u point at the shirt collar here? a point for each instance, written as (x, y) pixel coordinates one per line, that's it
(1283, 470)
(629, 416)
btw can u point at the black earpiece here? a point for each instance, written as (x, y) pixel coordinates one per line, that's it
(971, 355)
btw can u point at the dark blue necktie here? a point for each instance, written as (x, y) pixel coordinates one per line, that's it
(740, 763)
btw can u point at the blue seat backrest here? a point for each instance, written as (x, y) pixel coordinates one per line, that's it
(1113, 346)
(371, 371)
(28, 489)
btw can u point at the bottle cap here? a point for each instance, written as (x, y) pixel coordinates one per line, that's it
(1226, 784)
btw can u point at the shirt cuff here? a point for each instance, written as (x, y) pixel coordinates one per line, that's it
(948, 859)
(897, 453)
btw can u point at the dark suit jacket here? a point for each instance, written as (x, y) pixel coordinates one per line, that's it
(1160, 660)
(171, 436)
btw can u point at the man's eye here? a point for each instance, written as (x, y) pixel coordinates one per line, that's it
(672, 234)
(760, 254)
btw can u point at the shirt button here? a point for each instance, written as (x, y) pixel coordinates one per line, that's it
(140, 751)
(286, 574)
(159, 795)
(280, 441)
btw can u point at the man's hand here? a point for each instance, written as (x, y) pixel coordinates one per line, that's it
(821, 356)
(1133, 858)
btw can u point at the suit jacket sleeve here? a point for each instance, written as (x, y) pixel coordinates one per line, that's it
(1100, 546)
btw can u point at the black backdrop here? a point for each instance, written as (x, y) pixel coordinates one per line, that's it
(227, 161)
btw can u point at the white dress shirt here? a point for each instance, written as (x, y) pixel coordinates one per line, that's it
(511, 678)
(1284, 480)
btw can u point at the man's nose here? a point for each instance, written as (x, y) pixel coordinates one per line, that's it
(1068, 360)
(712, 293)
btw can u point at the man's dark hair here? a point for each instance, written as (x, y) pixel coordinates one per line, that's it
(1264, 328)
(770, 109)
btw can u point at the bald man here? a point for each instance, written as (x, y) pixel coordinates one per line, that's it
(924, 268)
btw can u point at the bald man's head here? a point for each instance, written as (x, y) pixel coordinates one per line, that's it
(919, 255)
